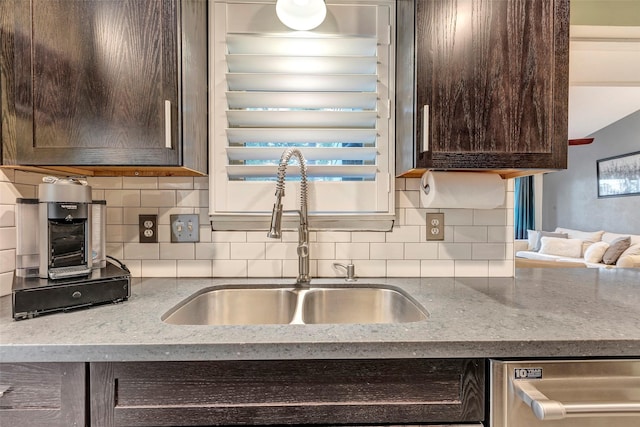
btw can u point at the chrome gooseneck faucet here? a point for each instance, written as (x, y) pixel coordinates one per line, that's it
(275, 231)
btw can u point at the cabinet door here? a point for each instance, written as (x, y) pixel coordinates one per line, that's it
(493, 75)
(95, 83)
(287, 392)
(42, 394)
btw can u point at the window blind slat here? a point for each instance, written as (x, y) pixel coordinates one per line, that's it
(297, 44)
(302, 136)
(270, 171)
(311, 153)
(293, 119)
(302, 64)
(302, 100)
(302, 82)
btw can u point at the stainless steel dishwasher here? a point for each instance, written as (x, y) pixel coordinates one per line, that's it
(568, 393)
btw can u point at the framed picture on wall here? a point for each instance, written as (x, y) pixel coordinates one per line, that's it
(619, 175)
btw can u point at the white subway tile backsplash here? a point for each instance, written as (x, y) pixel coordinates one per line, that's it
(142, 250)
(140, 183)
(229, 268)
(493, 251)
(471, 268)
(264, 268)
(7, 238)
(421, 250)
(7, 260)
(367, 237)
(160, 268)
(193, 198)
(458, 216)
(122, 197)
(7, 215)
(176, 183)
(403, 268)
(351, 251)
(405, 233)
(386, 251)
(213, 250)
(477, 242)
(454, 251)
(490, 217)
(158, 198)
(247, 251)
(437, 268)
(177, 251)
(469, 234)
(6, 282)
(194, 268)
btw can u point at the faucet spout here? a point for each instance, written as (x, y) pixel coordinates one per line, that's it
(275, 229)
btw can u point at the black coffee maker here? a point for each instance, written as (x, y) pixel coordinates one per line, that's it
(65, 236)
(60, 252)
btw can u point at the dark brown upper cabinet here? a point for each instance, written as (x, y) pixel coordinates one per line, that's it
(110, 87)
(482, 84)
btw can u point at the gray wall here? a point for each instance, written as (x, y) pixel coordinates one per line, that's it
(570, 197)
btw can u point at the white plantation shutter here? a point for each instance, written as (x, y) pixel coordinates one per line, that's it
(326, 92)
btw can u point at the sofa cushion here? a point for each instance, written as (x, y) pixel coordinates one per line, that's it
(562, 247)
(588, 237)
(542, 234)
(615, 249)
(537, 256)
(594, 253)
(610, 237)
(532, 239)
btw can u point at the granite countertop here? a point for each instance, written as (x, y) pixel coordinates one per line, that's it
(539, 313)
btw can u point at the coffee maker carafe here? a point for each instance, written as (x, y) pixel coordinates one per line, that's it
(65, 235)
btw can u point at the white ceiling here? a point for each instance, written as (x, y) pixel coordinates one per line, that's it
(604, 77)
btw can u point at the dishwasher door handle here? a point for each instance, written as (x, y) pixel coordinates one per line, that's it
(546, 409)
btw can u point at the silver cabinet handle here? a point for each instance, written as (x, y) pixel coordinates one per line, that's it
(546, 409)
(167, 124)
(425, 128)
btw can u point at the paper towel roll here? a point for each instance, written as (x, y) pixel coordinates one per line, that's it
(471, 190)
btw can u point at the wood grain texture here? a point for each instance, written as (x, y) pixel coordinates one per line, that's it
(51, 394)
(495, 75)
(91, 79)
(289, 392)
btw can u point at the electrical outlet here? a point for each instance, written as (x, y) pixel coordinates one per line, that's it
(148, 228)
(435, 226)
(185, 228)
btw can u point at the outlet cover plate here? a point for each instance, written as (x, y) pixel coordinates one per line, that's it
(185, 228)
(148, 228)
(435, 226)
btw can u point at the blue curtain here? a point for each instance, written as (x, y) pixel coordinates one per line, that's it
(524, 209)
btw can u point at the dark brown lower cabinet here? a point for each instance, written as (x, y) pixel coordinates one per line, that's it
(42, 394)
(407, 391)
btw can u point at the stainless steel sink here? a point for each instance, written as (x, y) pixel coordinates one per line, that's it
(252, 305)
(235, 306)
(359, 305)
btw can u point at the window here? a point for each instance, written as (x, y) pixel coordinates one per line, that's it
(327, 92)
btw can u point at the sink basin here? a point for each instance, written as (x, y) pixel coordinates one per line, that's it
(235, 306)
(262, 305)
(359, 305)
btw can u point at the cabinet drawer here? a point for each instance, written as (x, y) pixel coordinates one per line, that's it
(287, 392)
(51, 394)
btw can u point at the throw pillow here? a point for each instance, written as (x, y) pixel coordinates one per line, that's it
(594, 253)
(532, 239)
(616, 248)
(561, 246)
(542, 234)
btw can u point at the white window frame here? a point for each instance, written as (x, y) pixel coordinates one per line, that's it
(242, 205)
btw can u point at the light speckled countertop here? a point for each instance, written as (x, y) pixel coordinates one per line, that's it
(540, 313)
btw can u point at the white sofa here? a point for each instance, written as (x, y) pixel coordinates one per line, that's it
(578, 246)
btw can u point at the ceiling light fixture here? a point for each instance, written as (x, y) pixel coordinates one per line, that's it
(301, 15)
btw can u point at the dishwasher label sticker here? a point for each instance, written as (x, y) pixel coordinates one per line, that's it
(527, 373)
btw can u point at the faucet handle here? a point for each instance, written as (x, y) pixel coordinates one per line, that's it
(350, 270)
